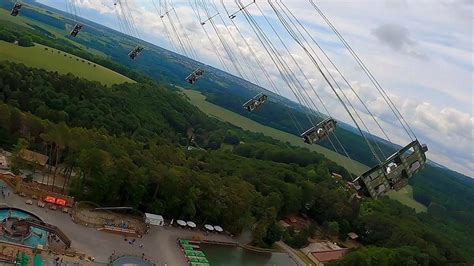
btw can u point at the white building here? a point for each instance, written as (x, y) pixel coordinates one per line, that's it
(154, 219)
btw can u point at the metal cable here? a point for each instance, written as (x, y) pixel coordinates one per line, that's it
(336, 68)
(294, 34)
(267, 76)
(336, 93)
(374, 81)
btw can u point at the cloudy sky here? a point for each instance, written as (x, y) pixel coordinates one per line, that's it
(420, 52)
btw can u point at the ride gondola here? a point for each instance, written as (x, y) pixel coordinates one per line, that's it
(394, 172)
(16, 9)
(135, 52)
(195, 76)
(320, 131)
(77, 28)
(255, 102)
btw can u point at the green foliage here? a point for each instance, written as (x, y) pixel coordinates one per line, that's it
(296, 238)
(7, 36)
(376, 256)
(389, 223)
(16, 162)
(25, 41)
(124, 109)
(332, 228)
(123, 143)
(231, 139)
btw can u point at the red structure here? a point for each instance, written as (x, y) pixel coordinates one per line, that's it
(58, 201)
(61, 202)
(329, 255)
(50, 199)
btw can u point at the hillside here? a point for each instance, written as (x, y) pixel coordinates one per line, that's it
(48, 58)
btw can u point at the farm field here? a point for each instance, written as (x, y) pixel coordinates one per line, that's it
(405, 195)
(40, 56)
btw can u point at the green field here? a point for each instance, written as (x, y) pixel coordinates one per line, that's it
(37, 56)
(404, 196)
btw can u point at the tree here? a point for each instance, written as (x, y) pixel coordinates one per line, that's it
(231, 139)
(60, 136)
(374, 256)
(332, 228)
(296, 238)
(7, 36)
(16, 161)
(274, 234)
(25, 41)
(16, 120)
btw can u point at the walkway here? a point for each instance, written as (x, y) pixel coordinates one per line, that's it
(292, 253)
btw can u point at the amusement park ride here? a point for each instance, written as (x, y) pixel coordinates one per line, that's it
(390, 172)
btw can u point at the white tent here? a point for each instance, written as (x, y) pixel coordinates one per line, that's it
(154, 219)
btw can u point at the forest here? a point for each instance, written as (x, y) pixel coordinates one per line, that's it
(126, 145)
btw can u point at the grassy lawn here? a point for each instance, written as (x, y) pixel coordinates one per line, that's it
(220, 113)
(405, 196)
(63, 63)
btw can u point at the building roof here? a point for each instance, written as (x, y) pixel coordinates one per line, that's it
(329, 255)
(34, 157)
(154, 216)
(8, 173)
(353, 235)
(3, 161)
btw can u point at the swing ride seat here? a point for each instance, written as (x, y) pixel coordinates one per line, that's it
(320, 131)
(394, 172)
(194, 76)
(16, 9)
(135, 52)
(255, 102)
(77, 28)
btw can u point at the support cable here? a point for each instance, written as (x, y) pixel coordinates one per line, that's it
(337, 95)
(334, 66)
(286, 23)
(374, 81)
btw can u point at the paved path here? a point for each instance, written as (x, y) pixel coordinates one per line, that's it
(292, 253)
(159, 245)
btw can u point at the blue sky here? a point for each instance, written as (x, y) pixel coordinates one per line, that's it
(420, 51)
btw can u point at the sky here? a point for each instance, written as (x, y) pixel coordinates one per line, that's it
(421, 52)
